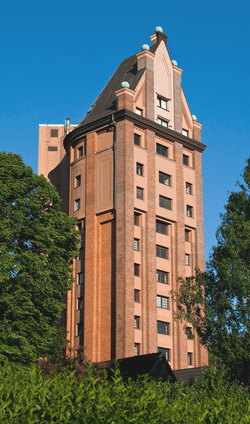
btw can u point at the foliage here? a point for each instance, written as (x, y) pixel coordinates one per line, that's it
(226, 327)
(37, 244)
(28, 397)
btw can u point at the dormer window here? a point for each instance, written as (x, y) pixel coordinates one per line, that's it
(162, 122)
(162, 103)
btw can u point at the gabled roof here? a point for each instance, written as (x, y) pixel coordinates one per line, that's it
(105, 103)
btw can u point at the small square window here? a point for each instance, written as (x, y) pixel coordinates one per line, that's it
(137, 270)
(188, 188)
(137, 322)
(54, 133)
(187, 259)
(137, 296)
(162, 302)
(190, 211)
(184, 132)
(187, 235)
(165, 202)
(136, 244)
(139, 193)
(79, 303)
(137, 139)
(164, 178)
(161, 227)
(161, 276)
(190, 358)
(185, 160)
(80, 151)
(138, 111)
(163, 327)
(77, 204)
(161, 252)
(165, 352)
(161, 150)
(137, 349)
(139, 168)
(136, 218)
(80, 278)
(77, 181)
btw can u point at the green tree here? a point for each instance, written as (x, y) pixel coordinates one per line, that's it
(37, 244)
(226, 326)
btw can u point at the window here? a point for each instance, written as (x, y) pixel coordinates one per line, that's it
(161, 103)
(52, 148)
(161, 276)
(77, 204)
(190, 358)
(139, 168)
(138, 111)
(163, 327)
(165, 202)
(80, 226)
(137, 270)
(187, 235)
(161, 252)
(78, 181)
(162, 302)
(137, 296)
(189, 333)
(81, 253)
(137, 139)
(80, 278)
(136, 244)
(187, 259)
(80, 151)
(54, 133)
(136, 218)
(184, 132)
(137, 349)
(161, 227)
(185, 160)
(189, 211)
(161, 150)
(137, 322)
(164, 178)
(79, 303)
(188, 188)
(162, 122)
(165, 352)
(79, 328)
(139, 193)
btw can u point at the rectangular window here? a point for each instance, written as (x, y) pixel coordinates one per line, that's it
(137, 296)
(137, 270)
(165, 352)
(185, 160)
(138, 111)
(189, 211)
(77, 204)
(165, 202)
(161, 150)
(136, 244)
(162, 302)
(161, 103)
(189, 334)
(190, 358)
(187, 235)
(137, 139)
(79, 328)
(139, 168)
(139, 193)
(136, 218)
(164, 178)
(161, 276)
(137, 349)
(184, 132)
(81, 253)
(79, 303)
(52, 148)
(80, 278)
(77, 181)
(161, 227)
(80, 151)
(188, 188)
(54, 133)
(137, 322)
(162, 122)
(163, 327)
(187, 259)
(161, 252)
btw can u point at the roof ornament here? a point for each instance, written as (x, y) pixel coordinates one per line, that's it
(174, 62)
(125, 84)
(158, 29)
(194, 118)
(145, 47)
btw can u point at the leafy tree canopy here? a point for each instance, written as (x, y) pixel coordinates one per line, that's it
(226, 326)
(37, 244)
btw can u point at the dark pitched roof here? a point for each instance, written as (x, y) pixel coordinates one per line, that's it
(105, 102)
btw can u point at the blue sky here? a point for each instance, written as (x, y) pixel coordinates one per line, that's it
(56, 57)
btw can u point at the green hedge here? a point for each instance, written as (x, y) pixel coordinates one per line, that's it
(28, 397)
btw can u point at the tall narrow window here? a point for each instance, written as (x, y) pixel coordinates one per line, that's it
(136, 244)
(185, 160)
(77, 204)
(188, 188)
(137, 322)
(187, 235)
(165, 202)
(80, 278)
(190, 211)
(137, 139)
(161, 252)
(137, 270)
(190, 358)
(161, 150)
(137, 349)
(139, 193)
(136, 218)
(187, 259)
(78, 181)
(137, 296)
(161, 276)
(79, 303)
(80, 151)
(139, 169)
(164, 178)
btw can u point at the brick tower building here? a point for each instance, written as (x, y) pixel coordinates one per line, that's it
(131, 173)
